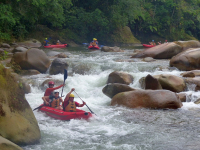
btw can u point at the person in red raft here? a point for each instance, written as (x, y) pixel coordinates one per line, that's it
(69, 104)
(49, 92)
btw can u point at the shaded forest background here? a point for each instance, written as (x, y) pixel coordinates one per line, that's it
(82, 20)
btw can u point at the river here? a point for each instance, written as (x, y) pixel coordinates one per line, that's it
(114, 128)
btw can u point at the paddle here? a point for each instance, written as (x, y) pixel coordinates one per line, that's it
(85, 104)
(65, 77)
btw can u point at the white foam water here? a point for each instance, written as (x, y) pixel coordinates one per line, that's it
(114, 128)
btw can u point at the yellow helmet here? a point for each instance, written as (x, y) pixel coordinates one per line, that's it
(94, 39)
(71, 95)
(45, 38)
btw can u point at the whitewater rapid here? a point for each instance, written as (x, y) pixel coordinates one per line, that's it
(114, 128)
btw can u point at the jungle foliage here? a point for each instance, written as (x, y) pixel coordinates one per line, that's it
(88, 18)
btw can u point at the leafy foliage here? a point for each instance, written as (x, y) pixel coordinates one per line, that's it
(87, 18)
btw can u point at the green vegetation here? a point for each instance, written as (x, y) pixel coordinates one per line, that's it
(4, 55)
(172, 19)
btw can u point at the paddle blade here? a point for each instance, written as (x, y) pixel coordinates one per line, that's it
(65, 74)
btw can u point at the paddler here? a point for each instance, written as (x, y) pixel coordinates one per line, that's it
(69, 104)
(58, 42)
(152, 43)
(55, 101)
(46, 42)
(94, 42)
(49, 91)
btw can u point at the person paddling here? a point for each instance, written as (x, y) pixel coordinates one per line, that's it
(152, 43)
(69, 104)
(94, 42)
(49, 91)
(55, 101)
(46, 42)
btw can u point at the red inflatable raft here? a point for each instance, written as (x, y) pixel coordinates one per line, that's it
(93, 47)
(62, 115)
(148, 46)
(56, 46)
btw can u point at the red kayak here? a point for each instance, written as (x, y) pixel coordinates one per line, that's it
(93, 47)
(56, 46)
(148, 46)
(62, 115)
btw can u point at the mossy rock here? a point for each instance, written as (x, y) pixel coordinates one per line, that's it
(17, 121)
(125, 36)
(8, 145)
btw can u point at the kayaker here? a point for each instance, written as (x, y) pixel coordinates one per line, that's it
(49, 91)
(159, 43)
(94, 42)
(152, 43)
(69, 104)
(58, 42)
(55, 101)
(46, 42)
(165, 41)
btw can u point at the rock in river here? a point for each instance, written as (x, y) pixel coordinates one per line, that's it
(155, 99)
(32, 59)
(120, 77)
(8, 145)
(187, 60)
(58, 65)
(17, 121)
(112, 89)
(163, 51)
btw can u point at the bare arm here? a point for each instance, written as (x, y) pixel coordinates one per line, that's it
(44, 98)
(67, 96)
(81, 105)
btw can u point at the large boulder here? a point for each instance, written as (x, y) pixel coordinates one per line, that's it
(188, 44)
(111, 49)
(32, 59)
(163, 51)
(120, 77)
(5, 45)
(8, 145)
(155, 99)
(187, 60)
(30, 43)
(19, 49)
(58, 65)
(29, 72)
(172, 83)
(191, 73)
(152, 83)
(112, 89)
(17, 121)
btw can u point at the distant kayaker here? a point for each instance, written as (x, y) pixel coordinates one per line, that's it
(94, 42)
(165, 41)
(69, 104)
(55, 100)
(46, 42)
(58, 42)
(152, 43)
(159, 43)
(49, 91)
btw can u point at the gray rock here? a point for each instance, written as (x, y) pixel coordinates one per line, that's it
(5, 45)
(120, 77)
(19, 49)
(58, 65)
(112, 89)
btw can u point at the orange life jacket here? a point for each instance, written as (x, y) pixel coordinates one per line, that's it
(71, 107)
(55, 102)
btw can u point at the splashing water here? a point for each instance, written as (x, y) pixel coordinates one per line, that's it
(114, 128)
